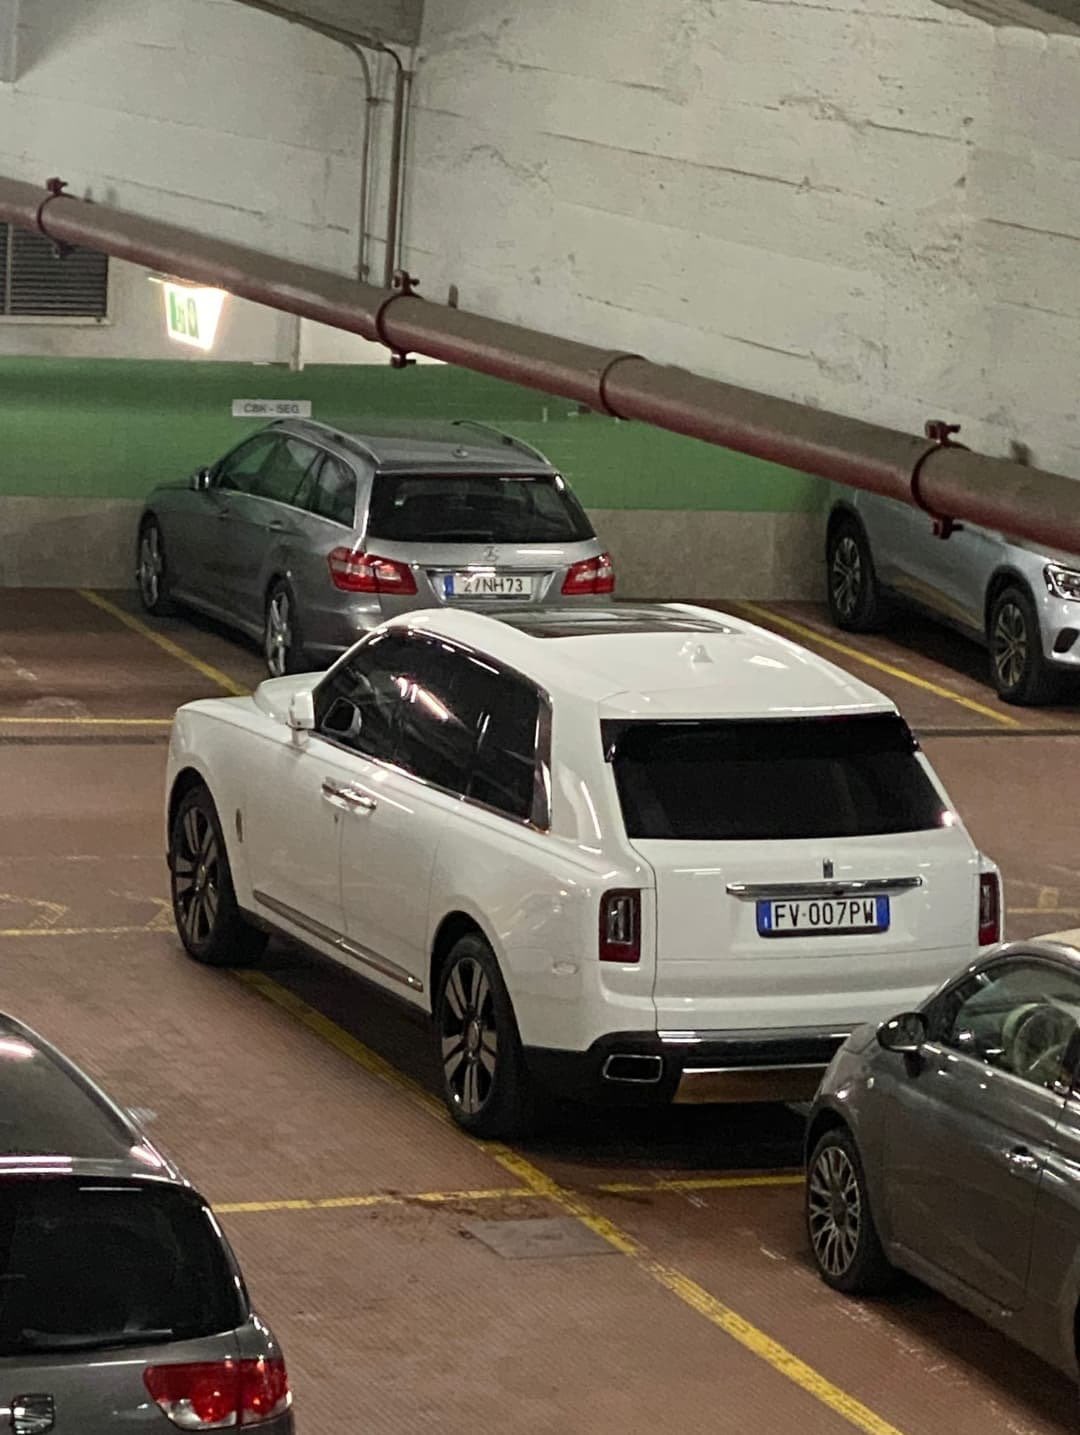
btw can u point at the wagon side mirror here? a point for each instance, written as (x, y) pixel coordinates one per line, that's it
(201, 479)
(903, 1034)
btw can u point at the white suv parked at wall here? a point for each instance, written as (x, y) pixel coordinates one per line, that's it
(643, 853)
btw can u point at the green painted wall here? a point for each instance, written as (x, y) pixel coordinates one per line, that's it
(107, 428)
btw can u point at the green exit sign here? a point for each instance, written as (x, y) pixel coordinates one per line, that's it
(191, 315)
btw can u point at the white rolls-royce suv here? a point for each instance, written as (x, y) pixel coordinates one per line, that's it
(639, 853)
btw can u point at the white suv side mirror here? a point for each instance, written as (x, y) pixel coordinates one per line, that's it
(302, 711)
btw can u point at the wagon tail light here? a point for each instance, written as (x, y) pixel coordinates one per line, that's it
(620, 926)
(354, 572)
(989, 909)
(220, 1394)
(591, 575)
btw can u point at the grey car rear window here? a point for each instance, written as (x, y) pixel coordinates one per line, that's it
(771, 780)
(475, 508)
(89, 1264)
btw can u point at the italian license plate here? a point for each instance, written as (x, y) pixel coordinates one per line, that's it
(486, 585)
(798, 917)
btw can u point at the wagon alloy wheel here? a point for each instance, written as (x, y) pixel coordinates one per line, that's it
(151, 566)
(197, 876)
(846, 577)
(834, 1211)
(1010, 644)
(469, 1036)
(279, 637)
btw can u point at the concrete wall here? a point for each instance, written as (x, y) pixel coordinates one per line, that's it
(205, 112)
(869, 205)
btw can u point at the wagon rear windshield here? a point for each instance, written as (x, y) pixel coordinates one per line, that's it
(724, 781)
(87, 1265)
(475, 508)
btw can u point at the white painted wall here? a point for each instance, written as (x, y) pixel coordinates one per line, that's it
(204, 112)
(868, 205)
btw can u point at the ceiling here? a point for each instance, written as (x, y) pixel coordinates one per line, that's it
(392, 22)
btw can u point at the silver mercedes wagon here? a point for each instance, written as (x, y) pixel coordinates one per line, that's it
(307, 535)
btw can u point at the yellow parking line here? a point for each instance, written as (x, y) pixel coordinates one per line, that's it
(76, 931)
(86, 721)
(660, 1187)
(701, 1183)
(782, 1360)
(378, 1198)
(174, 650)
(856, 655)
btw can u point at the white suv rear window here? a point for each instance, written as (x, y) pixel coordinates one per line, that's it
(771, 780)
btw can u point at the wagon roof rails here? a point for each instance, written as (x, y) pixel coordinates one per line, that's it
(507, 438)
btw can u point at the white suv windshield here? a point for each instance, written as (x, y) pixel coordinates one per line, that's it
(771, 780)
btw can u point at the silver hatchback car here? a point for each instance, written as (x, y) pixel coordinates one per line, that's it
(1022, 602)
(947, 1143)
(307, 535)
(122, 1308)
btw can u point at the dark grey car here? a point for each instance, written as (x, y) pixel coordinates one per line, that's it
(947, 1143)
(307, 535)
(122, 1308)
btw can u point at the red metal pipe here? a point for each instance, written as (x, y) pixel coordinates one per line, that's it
(995, 493)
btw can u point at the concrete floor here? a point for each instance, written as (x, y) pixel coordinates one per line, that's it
(302, 1103)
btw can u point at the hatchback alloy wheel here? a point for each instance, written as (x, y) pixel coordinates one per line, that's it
(197, 876)
(834, 1211)
(469, 1036)
(846, 577)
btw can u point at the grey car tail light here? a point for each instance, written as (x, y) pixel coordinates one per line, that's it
(220, 1394)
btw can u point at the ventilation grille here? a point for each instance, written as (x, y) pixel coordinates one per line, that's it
(36, 284)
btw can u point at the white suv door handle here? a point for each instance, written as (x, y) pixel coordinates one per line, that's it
(349, 799)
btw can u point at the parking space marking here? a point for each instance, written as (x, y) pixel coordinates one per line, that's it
(700, 1183)
(12, 719)
(147, 929)
(174, 650)
(378, 1198)
(663, 1186)
(693, 1295)
(812, 635)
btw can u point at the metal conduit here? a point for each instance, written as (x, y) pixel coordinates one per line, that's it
(929, 472)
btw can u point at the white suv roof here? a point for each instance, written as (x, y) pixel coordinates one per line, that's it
(660, 660)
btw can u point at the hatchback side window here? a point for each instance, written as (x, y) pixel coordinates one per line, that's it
(359, 703)
(281, 476)
(445, 694)
(239, 470)
(504, 774)
(1018, 1016)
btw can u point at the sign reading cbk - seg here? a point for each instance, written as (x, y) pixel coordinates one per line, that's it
(271, 408)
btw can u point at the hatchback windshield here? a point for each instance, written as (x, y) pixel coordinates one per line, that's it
(89, 1264)
(722, 781)
(475, 508)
